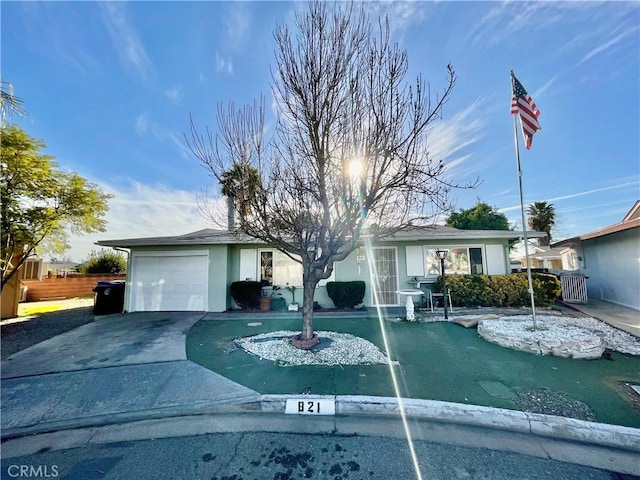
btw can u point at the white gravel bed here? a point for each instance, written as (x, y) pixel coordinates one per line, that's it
(346, 349)
(553, 327)
(334, 349)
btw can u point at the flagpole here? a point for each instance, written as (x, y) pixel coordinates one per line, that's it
(524, 224)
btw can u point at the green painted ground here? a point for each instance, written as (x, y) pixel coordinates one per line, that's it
(438, 361)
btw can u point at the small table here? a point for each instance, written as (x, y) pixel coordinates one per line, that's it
(409, 305)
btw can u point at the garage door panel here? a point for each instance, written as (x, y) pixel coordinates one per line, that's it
(166, 282)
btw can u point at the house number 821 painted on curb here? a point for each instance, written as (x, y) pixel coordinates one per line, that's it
(306, 406)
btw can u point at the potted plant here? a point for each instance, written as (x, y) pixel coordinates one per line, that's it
(293, 306)
(267, 297)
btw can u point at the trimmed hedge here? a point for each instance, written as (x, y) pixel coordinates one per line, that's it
(501, 290)
(346, 294)
(246, 293)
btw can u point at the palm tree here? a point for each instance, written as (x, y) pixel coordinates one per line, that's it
(542, 217)
(240, 184)
(9, 103)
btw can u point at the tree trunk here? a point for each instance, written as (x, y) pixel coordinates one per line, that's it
(309, 284)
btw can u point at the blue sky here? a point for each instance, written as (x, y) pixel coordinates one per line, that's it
(110, 86)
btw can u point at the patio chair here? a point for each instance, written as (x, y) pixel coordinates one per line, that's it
(437, 295)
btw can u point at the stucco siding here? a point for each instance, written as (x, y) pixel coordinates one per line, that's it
(356, 266)
(218, 268)
(230, 263)
(612, 263)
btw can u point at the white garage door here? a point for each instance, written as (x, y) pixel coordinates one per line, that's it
(173, 281)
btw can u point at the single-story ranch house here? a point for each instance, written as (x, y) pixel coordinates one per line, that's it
(194, 271)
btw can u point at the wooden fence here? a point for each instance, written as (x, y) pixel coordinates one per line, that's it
(70, 287)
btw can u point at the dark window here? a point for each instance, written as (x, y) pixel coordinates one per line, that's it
(475, 255)
(266, 268)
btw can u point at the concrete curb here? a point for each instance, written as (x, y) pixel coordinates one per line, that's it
(550, 426)
(610, 447)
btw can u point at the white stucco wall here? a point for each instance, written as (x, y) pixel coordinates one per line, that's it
(612, 264)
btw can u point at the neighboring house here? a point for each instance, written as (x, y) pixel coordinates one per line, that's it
(34, 268)
(194, 271)
(539, 257)
(610, 258)
(62, 269)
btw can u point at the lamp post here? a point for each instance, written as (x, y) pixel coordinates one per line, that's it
(442, 254)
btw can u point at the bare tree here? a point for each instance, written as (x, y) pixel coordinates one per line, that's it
(348, 155)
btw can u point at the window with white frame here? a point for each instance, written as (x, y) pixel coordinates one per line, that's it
(459, 261)
(276, 268)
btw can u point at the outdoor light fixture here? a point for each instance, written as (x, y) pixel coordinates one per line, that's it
(442, 254)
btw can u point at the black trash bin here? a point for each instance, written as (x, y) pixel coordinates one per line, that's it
(109, 298)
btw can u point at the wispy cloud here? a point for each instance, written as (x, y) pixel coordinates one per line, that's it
(223, 64)
(179, 144)
(144, 125)
(142, 210)
(401, 15)
(124, 38)
(540, 91)
(174, 93)
(505, 20)
(55, 35)
(448, 137)
(607, 45)
(237, 24)
(620, 186)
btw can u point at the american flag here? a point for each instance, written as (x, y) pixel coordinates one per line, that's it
(523, 105)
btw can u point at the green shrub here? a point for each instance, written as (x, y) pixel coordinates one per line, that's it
(246, 293)
(105, 261)
(546, 287)
(470, 290)
(501, 290)
(509, 290)
(346, 294)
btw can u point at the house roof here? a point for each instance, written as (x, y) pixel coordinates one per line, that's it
(209, 236)
(546, 253)
(634, 213)
(439, 232)
(630, 220)
(536, 251)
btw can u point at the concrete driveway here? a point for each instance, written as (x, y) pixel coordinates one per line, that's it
(116, 369)
(109, 341)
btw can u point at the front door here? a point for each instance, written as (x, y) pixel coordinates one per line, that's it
(385, 276)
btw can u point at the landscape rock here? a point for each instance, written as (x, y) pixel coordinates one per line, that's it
(549, 337)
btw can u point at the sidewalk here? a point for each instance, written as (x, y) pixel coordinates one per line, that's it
(126, 377)
(617, 316)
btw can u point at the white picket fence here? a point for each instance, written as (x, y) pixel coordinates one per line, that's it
(574, 288)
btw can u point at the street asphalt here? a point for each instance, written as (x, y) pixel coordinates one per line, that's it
(127, 377)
